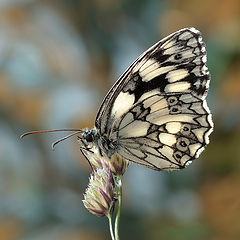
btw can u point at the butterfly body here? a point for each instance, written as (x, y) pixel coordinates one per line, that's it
(156, 114)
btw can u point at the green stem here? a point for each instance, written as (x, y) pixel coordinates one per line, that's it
(110, 226)
(117, 219)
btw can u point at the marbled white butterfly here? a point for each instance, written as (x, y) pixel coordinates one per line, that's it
(155, 114)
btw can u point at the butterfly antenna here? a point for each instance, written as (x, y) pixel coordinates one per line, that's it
(49, 131)
(64, 138)
(76, 131)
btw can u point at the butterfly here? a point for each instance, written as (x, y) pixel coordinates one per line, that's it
(155, 114)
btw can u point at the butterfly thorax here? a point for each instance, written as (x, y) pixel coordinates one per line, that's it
(99, 149)
(93, 141)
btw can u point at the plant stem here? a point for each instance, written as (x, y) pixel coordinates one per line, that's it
(110, 226)
(117, 219)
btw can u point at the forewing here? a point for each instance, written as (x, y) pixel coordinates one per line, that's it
(156, 111)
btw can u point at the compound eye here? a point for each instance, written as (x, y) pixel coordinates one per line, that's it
(89, 137)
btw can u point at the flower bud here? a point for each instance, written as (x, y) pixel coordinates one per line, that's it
(116, 164)
(96, 161)
(99, 196)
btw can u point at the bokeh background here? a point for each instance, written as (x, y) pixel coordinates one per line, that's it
(58, 58)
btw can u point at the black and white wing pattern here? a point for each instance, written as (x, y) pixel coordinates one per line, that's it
(156, 114)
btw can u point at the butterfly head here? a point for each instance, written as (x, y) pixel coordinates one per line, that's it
(87, 138)
(89, 135)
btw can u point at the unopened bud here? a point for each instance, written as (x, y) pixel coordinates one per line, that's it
(99, 196)
(116, 164)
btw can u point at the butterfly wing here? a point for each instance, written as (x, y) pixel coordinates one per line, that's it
(156, 113)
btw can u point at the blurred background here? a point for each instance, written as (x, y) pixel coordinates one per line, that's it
(58, 59)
